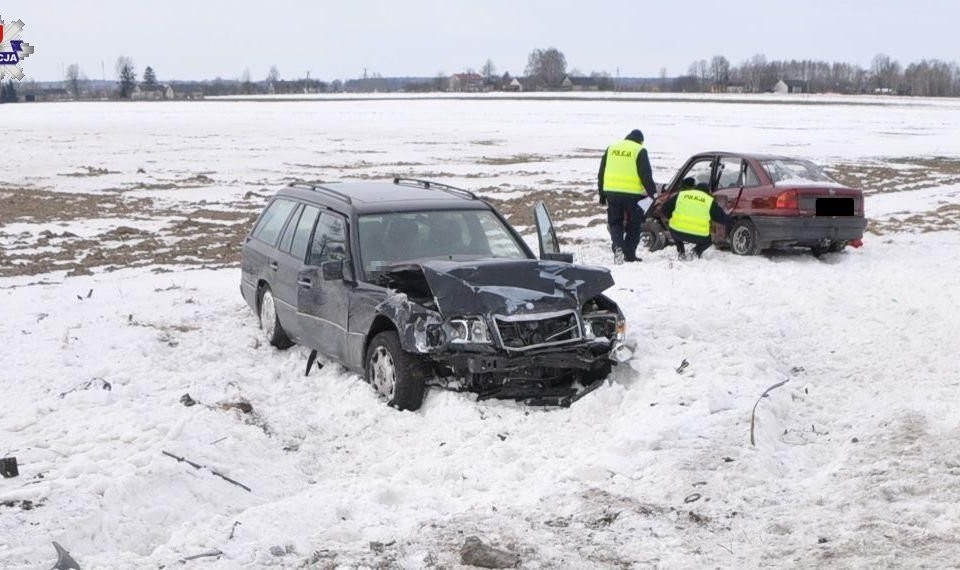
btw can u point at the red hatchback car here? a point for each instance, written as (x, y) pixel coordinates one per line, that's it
(776, 202)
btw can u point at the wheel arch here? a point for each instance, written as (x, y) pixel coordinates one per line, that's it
(380, 323)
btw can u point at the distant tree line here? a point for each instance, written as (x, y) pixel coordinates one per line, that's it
(546, 70)
(927, 78)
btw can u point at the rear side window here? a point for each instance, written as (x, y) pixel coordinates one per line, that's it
(302, 236)
(287, 238)
(329, 240)
(735, 173)
(271, 223)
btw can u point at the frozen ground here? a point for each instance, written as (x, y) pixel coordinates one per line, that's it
(855, 462)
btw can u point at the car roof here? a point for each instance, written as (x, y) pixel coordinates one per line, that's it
(369, 197)
(750, 155)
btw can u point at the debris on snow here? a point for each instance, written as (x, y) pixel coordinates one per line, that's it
(64, 560)
(475, 553)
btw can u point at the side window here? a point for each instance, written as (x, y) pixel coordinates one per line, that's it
(698, 175)
(271, 223)
(287, 236)
(301, 237)
(736, 172)
(329, 240)
(750, 177)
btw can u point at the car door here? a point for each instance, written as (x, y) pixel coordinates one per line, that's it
(291, 254)
(323, 294)
(733, 176)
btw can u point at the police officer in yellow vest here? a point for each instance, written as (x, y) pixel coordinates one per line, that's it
(690, 212)
(625, 177)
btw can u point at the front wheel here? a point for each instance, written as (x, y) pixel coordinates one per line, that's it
(744, 239)
(270, 322)
(396, 375)
(652, 237)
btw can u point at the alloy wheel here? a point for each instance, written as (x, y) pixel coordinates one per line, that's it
(384, 377)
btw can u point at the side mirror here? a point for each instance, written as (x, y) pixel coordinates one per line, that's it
(332, 270)
(546, 235)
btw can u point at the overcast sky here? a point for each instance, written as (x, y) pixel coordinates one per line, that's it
(339, 39)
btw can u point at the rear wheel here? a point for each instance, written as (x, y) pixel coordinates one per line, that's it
(744, 239)
(396, 375)
(270, 322)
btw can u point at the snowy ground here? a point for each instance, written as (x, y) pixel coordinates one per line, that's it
(855, 462)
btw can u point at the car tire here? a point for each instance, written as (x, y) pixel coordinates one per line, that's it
(398, 376)
(652, 236)
(744, 239)
(270, 322)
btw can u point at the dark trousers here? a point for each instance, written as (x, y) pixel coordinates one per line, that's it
(701, 243)
(624, 220)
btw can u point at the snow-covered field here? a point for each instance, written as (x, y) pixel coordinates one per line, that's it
(119, 294)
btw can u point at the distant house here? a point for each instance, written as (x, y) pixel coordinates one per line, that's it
(465, 83)
(513, 85)
(790, 86)
(154, 92)
(580, 84)
(729, 88)
(40, 95)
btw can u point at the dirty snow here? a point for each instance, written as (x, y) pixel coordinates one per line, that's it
(855, 462)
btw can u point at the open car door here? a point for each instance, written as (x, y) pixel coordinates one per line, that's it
(547, 236)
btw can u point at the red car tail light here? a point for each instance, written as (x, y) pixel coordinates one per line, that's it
(787, 200)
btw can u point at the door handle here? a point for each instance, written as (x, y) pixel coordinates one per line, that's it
(274, 265)
(305, 283)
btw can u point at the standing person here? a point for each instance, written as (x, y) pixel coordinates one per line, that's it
(625, 177)
(690, 212)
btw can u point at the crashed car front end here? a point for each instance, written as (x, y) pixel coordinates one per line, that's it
(536, 331)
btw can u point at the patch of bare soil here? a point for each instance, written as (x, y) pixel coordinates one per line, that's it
(204, 237)
(943, 218)
(515, 159)
(895, 175)
(563, 205)
(32, 205)
(89, 171)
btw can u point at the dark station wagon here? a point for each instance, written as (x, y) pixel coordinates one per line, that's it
(776, 202)
(414, 283)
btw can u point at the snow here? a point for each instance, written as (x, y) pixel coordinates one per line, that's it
(855, 462)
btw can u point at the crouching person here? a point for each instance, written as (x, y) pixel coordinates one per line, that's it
(690, 212)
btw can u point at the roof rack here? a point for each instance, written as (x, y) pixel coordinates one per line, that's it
(324, 189)
(430, 185)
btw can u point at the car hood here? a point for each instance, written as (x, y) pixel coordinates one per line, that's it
(507, 286)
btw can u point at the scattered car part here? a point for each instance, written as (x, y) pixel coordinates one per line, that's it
(64, 560)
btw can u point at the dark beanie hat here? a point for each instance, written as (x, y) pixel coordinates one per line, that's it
(636, 135)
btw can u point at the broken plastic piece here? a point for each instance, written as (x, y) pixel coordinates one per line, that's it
(64, 560)
(8, 467)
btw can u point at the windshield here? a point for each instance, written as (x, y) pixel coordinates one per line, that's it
(786, 172)
(444, 234)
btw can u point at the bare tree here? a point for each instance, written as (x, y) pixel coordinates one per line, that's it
(547, 67)
(488, 70)
(719, 72)
(273, 76)
(126, 76)
(886, 72)
(75, 80)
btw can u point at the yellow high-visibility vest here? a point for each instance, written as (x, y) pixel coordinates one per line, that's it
(620, 173)
(692, 214)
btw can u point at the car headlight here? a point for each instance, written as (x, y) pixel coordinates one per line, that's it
(469, 330)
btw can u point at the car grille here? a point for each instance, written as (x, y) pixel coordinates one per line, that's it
(523, 332)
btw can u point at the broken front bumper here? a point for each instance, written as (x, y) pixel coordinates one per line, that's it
(553, 377)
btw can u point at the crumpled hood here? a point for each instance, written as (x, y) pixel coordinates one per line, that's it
(511, 286)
